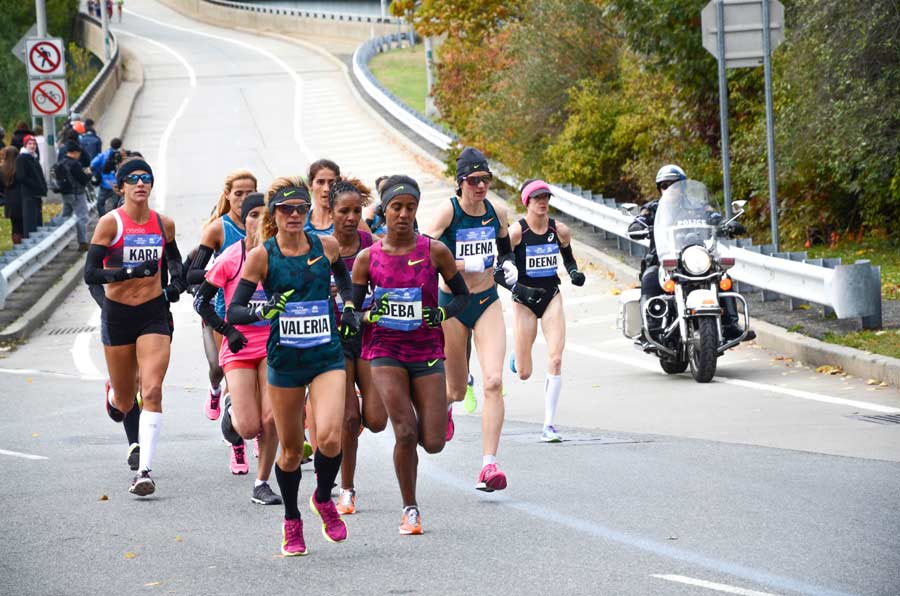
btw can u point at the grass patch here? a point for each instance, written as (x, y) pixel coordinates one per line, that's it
(880, 251)
(50, 211)
(885, 342)
(402, 72)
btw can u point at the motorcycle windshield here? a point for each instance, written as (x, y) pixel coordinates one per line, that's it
(683, 219)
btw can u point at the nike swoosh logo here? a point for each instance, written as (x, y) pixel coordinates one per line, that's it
(413, 263)
(313, 261)
(432, 362)
(289, 193)
(483, 300)
(485, 222)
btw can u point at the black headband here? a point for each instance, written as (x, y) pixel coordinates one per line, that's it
(251, 202)
(403, 188)
(287, 194)
(130, 166)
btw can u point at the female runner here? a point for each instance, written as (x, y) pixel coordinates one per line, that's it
(247, 411)
(346, 202)
(303, 350)
(538, 241)
(405, 345)
(126, 251)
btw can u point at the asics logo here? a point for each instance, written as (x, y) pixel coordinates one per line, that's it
(485, 222)
(414, 263)
(313, 261)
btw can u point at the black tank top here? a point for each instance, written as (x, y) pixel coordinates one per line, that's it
(537, 256)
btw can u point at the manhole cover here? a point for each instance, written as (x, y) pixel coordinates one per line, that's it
(72, 330)
(880, 418)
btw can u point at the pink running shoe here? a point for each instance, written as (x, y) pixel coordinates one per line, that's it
(239, 463)
(333, 527)
(256, 446)
(451, 428)
(491, 479)
(292, 544)
(211, 407)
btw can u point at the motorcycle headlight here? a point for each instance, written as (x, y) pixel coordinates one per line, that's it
(696, 260)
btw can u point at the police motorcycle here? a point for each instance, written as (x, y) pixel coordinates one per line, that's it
(683, 324)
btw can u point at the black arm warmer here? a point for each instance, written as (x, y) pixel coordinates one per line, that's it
(342, 279)
(197, 271)
(204, 307)
(239, 313)
(568, 258)
(504, 248)
(97, 293)
(359, 295)
(94, 273)
(174, 265)
(460, 296)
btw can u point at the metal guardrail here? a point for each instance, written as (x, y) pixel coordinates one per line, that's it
(334, 16)
(34, 258)
(88, 95)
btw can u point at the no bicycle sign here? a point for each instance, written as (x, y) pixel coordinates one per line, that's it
(49, 97)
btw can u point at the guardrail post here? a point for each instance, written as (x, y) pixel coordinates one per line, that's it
(827, 311)
(766, 295)
(874, 321)
(598, 198)
(796, 303)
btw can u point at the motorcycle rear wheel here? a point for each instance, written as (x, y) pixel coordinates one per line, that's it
(703, 352)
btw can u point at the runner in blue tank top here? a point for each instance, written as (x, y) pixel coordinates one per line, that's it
(474, 229)
(223, 229)
(295, 270)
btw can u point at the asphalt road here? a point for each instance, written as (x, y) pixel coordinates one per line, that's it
(770, 480)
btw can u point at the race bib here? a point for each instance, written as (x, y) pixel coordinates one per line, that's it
(541, 260)
(367, 302)
(305, 324)
(404, 308)
(141, 247)
(256, 300)
(476, 242)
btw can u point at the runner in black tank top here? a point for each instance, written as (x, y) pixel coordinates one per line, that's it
(539, 243)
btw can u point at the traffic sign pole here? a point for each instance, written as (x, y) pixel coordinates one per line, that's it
(40, 7)
(723, 106)
(770, 122)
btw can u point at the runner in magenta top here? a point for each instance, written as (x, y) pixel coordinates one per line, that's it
(246, 411)
(404, 342)
(346, 200)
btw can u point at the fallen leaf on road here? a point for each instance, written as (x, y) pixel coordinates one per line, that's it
(34, 435)
(882, 384)
(152, 584)
(130, 555)
(28, 380)
(872, 382)
(673, 537)
(827, 369)
(610, 275)
(178, 538)
(104, 498)
(615, 291)
(778, 358)
(803, 307)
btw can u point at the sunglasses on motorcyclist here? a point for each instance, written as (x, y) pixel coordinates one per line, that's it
(133, 178)
(288, 210)
(475, 180)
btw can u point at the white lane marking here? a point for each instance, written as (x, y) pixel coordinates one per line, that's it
(162, 158)
(22, 455)
(298, 82)
(81, 350)
(700, 583)
(26, 372)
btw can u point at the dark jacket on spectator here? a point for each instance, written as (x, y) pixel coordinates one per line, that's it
(91, 144)
(30, 177)
(12, 206)
(77, 177)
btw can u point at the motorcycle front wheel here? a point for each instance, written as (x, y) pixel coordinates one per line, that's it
(703, 351)
(673, 367)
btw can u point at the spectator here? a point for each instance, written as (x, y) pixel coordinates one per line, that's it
(73, 193)
(90, 141)
(19, 133)
(2, 138)
(105, 179)
(71, 133)
(42, 150)
(32, 185)
(12, 200)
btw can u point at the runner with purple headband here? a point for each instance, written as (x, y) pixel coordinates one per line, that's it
(405, 342)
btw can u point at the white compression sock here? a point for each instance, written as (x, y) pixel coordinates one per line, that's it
(216, 391)
(552, 386)
(148, 434)
(488, 459)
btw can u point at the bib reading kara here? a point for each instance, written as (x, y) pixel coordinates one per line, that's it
(138, 248)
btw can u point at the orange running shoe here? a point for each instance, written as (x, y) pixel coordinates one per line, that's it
(347, 501)
(411, 523)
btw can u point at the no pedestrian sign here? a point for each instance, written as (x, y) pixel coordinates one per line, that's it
(48, 97)
(45, 58)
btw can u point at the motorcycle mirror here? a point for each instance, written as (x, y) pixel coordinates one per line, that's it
(629, 208)
(737, 205)
(639, 234)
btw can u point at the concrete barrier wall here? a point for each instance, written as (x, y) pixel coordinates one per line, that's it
(351, 33)
(90, 36)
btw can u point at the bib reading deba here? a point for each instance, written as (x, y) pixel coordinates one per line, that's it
(541, 260)
(137, 248)
(476, 242)
(404, 308)
(305, 324)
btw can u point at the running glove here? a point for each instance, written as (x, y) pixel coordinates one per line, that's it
(473, 264)
(171, 293)
(527, 294)
(237, 341)
(274, 306)
(434, 316)
(379, 309)
(577, 277)
(350, 321)
(145, 269)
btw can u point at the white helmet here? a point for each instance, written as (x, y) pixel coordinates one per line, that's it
(670, 173)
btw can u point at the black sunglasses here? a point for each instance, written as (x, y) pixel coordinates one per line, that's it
(133, 178)
(475, 180)
(288, 210)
